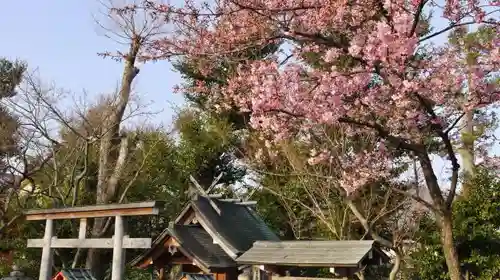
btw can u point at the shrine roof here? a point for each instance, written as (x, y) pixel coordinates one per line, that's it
(195, 242)
(198, 276)
(75, 274)
(234, 223)
(309, 253)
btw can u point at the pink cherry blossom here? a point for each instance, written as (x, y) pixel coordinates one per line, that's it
(401, 100)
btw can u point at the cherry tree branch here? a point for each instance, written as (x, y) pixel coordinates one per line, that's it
(416, 20)
(450, 27)
(437, 127)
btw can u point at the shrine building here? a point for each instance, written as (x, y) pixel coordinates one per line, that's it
(225, 239)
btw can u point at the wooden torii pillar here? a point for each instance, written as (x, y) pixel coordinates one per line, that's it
(119, 242)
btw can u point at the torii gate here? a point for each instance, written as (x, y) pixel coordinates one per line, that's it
(119, 242)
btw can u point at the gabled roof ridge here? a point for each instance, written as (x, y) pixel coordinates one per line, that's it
(236, 221)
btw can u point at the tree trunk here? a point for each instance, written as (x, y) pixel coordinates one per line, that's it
(467, 153)
(113, 155)
(449, 249)
(397, 265)
(382, 241)
(443, 216)
(468, 137)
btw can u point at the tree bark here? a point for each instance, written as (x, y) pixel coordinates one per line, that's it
(467, 153)
(443, 216)
(112, 158)
(468, 138)
(449, 249)
(397, 265)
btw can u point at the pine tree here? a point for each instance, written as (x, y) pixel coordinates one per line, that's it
(11, 74)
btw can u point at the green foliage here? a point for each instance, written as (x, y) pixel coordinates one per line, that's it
(206, 144)
(11, 74)
(476, 229)
(158, 169)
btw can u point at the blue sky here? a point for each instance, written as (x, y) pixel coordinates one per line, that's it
(61, 39)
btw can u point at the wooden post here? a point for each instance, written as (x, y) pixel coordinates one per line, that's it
(118, 243)
(46, 261)
(83, 228)
(117, 270)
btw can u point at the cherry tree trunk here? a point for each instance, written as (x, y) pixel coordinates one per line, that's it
(449, 249)
(444, 217)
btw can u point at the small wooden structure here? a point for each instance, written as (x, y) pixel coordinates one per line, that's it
(118, 242)
(344, 258)
(74, 274)
(207, 237)
(225, 239)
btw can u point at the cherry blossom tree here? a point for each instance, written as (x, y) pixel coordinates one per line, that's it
(378, 74)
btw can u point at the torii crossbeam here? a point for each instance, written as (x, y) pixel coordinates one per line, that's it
(119, 242)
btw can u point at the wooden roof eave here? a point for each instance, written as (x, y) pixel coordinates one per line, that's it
(183, 213)
(374, 249)
(301, 264)
(195, 260)
(146, 259)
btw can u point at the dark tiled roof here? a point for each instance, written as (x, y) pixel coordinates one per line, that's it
(155, 246)
(321, 253)
(197, 242)
(197, 276)
(237, 225)
(77, 274)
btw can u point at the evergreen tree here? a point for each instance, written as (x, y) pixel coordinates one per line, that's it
(476, 224)
(10, 77)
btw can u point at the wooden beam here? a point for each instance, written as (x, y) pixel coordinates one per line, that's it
(118, 265)
(105, 243)
(47, 257)
(205, 194)
(293, 264)
(180, 260)
(96, 211)
(83, 228)
(248, 203)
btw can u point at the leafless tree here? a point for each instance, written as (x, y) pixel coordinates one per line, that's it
(131, 26)
(57, 146)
